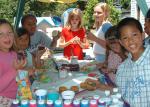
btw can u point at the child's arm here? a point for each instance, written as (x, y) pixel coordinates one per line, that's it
(92, 37)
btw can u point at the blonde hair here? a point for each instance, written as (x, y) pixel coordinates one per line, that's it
(73, 13)
(105, 8)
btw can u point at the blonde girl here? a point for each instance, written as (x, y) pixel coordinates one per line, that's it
(8, 64)
(101, 14)
(73, 38)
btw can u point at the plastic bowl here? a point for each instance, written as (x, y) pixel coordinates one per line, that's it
(68, 95)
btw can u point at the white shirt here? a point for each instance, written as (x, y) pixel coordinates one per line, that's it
(97, 49)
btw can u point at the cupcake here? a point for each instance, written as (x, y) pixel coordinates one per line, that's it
(75, 88)
(62, 88)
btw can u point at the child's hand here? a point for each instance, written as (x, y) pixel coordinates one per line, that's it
(90, 36)
(19, 64)
(40, 52)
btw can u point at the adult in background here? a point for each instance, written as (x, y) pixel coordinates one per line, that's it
(101, 14)
(147, 28)
(37, 38)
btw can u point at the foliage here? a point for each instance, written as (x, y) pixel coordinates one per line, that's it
(88, 13)
(125, 4)
(114, 12)
(8, 9)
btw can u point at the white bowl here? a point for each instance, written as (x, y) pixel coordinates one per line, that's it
(68, 95)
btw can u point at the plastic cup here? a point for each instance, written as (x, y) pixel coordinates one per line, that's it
(41, 94)
(53, 96)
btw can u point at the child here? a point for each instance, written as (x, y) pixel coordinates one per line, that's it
(115, 53)
(73, 36)
(101, 14)
(132, 77)
(8, 64)
(22, 42)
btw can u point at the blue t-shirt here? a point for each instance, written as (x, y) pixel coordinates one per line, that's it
(39, 38)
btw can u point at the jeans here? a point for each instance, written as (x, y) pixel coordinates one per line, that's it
(100, 58)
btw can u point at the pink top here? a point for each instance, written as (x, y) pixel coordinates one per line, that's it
(8, 86)
(114, 60)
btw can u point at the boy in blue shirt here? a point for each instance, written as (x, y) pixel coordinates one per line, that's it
(133, 75)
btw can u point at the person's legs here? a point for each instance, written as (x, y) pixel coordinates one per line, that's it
(100, 58)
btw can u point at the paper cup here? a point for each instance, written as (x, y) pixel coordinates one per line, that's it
(41, 94)
(53, 96)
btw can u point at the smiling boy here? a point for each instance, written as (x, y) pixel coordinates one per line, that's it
(133, 75)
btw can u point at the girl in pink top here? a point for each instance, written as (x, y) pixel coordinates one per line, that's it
(8, 64)
(115, 54)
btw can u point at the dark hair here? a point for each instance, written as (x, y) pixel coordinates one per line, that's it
(148, 14)
(111, 33)
(27, 16)
(129, 21)
(22, 31)
(4, 21)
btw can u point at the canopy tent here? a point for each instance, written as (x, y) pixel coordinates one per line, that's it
(141, 3)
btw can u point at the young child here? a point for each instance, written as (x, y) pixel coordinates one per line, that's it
(73, 38)
(132, 78)
(22, 42)
(115, 53)
(8, 64)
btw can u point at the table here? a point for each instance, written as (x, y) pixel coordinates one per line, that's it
(73, 78)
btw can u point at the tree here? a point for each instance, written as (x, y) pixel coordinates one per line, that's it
(88, 12)
(8, 8)
(114, 12)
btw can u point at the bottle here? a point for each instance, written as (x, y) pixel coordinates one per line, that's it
(76, 103)
(15, 103)
(107, 98)
(84, 103)
(32, 103)
(58, 103)
(24, 103)
(101, 103)
(63, 73)
(93, 103)
(49, 103)
(117, 103)
(96, 97)
(67, 103)
(41, 103)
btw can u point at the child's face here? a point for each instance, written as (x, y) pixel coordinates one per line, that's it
(132, 39)
(114, 45)
(30, 25)
(147, 26)
(22, 42)
(6, 37)
(75, 21)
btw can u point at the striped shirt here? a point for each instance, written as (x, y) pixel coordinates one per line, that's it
(133, 80)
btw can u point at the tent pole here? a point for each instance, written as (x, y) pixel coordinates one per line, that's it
(20, 8)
